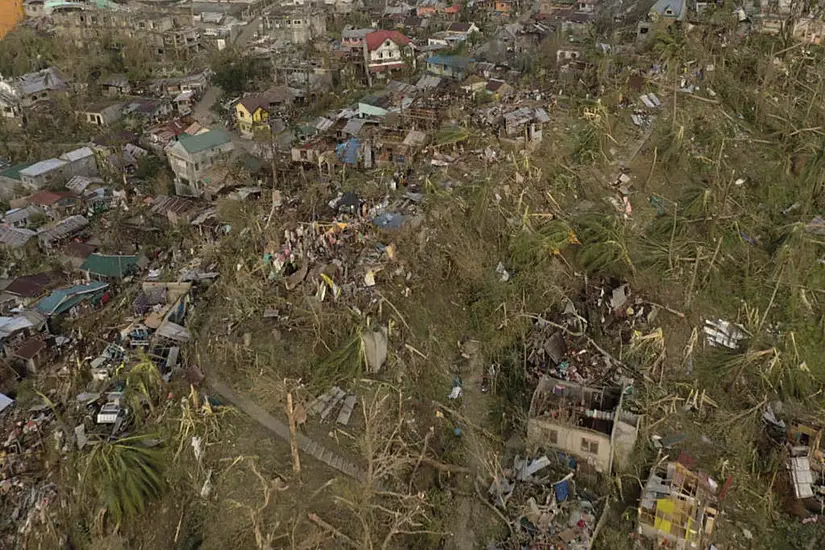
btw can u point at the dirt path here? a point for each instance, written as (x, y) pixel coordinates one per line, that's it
(476, 405)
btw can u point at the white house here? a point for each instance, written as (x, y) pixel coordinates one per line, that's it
(191, 157)
(386, 51)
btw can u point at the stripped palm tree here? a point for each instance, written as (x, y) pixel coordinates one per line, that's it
(124, 475)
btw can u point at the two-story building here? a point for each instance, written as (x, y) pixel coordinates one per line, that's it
(353, 39)
(191, 156)
(56, 171)
(164, 32)
(386, 51)
(252, 115)
(297, 25)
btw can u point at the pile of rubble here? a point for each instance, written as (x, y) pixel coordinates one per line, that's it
(561, 345)
(543, 511)
(25, 496)
(341, 255)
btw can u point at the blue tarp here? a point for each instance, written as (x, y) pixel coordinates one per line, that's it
(389, 220)
(349, 151)
(562, 490)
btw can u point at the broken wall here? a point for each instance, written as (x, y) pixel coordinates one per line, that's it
(625, 433)
(590, 446)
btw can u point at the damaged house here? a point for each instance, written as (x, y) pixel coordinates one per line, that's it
(677, 507)
(18, 94)
(806, 464)
(586, 422)
(191, 157)
(524, 125)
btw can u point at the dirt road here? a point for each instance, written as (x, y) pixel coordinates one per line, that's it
(203, 110)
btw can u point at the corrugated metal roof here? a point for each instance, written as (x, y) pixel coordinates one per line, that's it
(453, 61)
(10, 325)
(207, 140)
(47, 79)
(77, 154)
(13, 172)
(14, 237)
(21, 214)
(164, 204)
(61, 229)
(78, 184)
(110, 266)
(65, 298)
(428, 81)
(30, 348)
(323, 124)
(30, 286)
(43, 167)
(354, 126)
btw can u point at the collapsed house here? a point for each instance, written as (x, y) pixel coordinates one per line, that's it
(806, 465)
(677, 507)
(585, 422)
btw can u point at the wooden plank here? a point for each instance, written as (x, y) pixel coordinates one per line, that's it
(346, 410)
(339, 395)
(320, 403)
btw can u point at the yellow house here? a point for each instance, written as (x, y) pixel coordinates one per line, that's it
(252, 115)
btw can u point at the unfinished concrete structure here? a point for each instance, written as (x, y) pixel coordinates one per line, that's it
(295, 25)
(163, 33)
(586, 422)
(677, 507)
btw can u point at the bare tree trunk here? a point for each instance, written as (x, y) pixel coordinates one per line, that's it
(293, 435)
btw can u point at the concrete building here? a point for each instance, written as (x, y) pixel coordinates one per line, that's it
(385, 51)
(449, 66)
(56, 171)
(102, 114)
(34, 8)
(164, 34)
(190, 157)
(45, 172)
(296, 26)
(586, 422)
(354, 38)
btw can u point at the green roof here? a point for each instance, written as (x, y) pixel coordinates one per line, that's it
(13, 172)
(110, 266)
(204, 141)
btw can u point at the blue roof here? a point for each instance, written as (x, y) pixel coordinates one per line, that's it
(63, 299)
(455, 61)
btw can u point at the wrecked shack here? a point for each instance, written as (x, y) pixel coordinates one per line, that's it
(677, 507)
